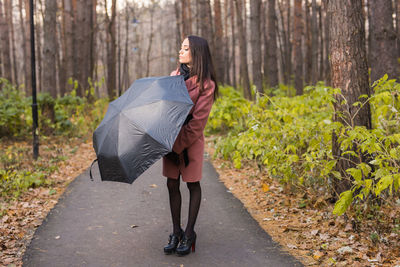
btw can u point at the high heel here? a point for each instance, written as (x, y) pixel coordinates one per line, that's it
(186, 244)
(173, 242)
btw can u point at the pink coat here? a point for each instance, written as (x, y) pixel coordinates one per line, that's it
(191, 135)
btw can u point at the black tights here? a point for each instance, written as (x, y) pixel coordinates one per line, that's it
(175, 202)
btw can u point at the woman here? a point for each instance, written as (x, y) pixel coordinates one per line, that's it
(186, 158)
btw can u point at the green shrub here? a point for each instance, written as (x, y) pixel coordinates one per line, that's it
(291, 139)
(14, 110)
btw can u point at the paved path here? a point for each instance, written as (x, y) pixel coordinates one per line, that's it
(91, 226)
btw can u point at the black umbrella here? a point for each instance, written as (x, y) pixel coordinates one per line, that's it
(140, 127)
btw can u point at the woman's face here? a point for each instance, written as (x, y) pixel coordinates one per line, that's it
(184, 54)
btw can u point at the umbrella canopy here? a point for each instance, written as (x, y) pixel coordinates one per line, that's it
(140, 127)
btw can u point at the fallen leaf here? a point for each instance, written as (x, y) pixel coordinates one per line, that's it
(265, 188)
(345, 250)
(317, 255)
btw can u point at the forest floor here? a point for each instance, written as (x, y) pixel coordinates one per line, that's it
(302, 223)
(20, 218)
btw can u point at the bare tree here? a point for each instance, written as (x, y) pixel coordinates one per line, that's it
(218, 40)
(186, 18)
(349, 73)
(233, 57)
(5, 44)
(327, 67)
(272, 52)
(206, 26)
(307, 39)
(151, 10)
(111, 49)
(50, 48)
(244, 73)
(297, 45)
(383, 40)
(255, 40)
(314, 43)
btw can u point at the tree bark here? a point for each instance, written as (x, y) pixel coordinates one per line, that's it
(83, 34)
(314, 43)
(186, 18)
(26, 39)
(178, 27)
(150, 39)
(5, 43)
(308, 44)
(9, 15)
(244, 74)
(111, 51)
(297, 47)
(349, 73)
(49, 48)
(68, 47)
(255, 41)
(218, 41)
(206, 24)
(383, 41)
(233, 57)
(327, 66)
(273, 79)
(226, 78)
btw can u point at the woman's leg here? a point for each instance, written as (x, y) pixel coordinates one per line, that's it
(194, 206)
(175, 202)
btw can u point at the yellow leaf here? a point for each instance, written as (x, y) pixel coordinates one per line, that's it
(265, 188)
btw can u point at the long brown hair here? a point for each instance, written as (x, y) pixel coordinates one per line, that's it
(202, 64)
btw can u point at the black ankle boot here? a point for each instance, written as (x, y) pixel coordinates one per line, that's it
(173, 242)
(186, 244)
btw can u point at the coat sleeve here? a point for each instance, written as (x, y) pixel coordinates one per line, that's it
(194, 129)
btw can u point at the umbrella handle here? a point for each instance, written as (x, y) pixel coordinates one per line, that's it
(90, 172)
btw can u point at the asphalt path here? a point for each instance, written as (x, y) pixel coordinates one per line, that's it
(113, 224)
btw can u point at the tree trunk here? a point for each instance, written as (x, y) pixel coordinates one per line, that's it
(206, 24)
(186, 18)
(297, 47)
(218, 41)
(349, 73)
(383, 41)
(321, 45)
(150, 39)
(93, 42)
(26, 40)
(308, 37)
(9, 15)
(244, 74)
(39, 15)
(255, 41)
(327, 66)
(178, 27)
(49, 48)
(5, 43)
(226, 79)
(314, 43)
(398, 26)
(111, 51)
(233, 57)
(68, 47)
(273, 80)
(125, 76)
(82, 34)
